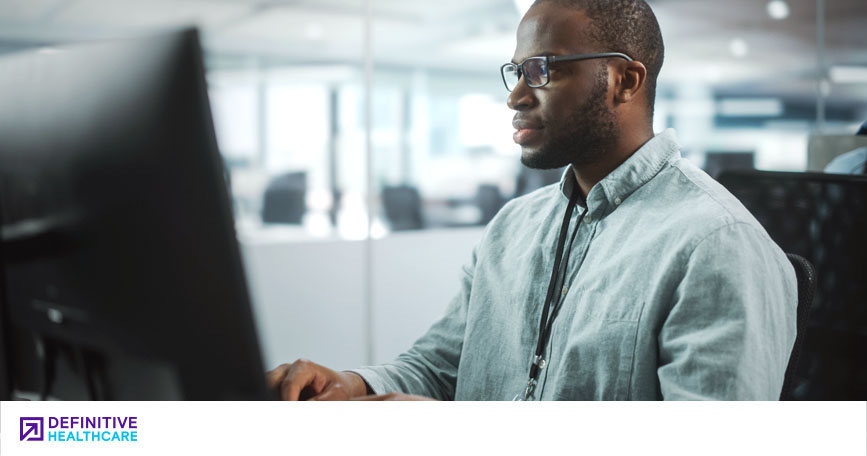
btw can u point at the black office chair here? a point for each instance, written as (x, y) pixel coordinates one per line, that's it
(823, 218)
(489, 201)
(402, 204)
(806, 276)
(285, 199)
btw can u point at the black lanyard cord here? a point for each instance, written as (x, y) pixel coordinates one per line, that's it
(557, 302)
(547, 321)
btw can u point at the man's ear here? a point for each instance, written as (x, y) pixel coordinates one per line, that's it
(630, 80)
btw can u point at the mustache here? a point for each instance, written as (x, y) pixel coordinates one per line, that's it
(522, 123)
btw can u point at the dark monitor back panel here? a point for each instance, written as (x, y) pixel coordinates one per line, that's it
(715, 163)
(118, 238)
(822, 217)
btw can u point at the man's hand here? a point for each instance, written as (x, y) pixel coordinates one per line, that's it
(392, 397)
(305, 380)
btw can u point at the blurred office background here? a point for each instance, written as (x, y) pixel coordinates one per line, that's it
(368, 142)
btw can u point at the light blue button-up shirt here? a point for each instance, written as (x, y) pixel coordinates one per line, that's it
(673, 291)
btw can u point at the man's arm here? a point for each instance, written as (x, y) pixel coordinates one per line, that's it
(731, 329)
(430, 367)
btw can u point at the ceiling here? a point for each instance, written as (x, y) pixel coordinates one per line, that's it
(733, 47)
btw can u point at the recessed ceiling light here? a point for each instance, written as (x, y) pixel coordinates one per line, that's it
(778, 9)
(739, 48)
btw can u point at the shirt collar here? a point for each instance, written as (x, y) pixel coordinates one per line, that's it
(636, 171)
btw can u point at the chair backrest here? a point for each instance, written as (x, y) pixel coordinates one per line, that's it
(823, 218)
(806, 276)
(284, 200)
(490, 201)
(402, 205)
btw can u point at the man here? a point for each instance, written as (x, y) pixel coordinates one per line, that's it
(657, 284)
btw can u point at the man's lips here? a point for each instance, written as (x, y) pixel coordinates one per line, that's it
(526, 135)
(525, 131)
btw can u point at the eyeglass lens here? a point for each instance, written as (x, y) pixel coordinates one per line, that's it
(535, 73)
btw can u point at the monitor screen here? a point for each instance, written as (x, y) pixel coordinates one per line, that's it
(121, 273)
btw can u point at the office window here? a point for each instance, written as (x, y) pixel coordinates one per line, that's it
(235, 109)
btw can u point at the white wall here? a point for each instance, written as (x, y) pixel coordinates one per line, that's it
(308, 296)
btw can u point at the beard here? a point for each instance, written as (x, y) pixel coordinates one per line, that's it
(582, 138)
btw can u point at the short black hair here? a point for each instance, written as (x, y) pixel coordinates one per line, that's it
(627, 26)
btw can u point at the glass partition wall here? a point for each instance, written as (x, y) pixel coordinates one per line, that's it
(746, 84)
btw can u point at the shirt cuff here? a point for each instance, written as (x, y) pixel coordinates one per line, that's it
(375, 382)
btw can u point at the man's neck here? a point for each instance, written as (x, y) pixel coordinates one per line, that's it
(588, 175)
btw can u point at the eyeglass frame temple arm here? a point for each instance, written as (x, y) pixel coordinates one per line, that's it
(564, 58)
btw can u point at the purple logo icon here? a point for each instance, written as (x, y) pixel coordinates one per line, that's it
(31, 428)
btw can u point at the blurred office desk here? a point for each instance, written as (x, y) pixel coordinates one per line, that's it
(309, 294)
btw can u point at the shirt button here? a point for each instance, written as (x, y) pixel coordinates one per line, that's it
(588, 219)
(617, 201)
(565, 290)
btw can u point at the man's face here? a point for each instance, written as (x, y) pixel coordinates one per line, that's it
(569, 120)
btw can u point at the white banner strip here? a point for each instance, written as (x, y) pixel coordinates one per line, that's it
(167, 428)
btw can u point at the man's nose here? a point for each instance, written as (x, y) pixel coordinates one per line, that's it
(521, 98)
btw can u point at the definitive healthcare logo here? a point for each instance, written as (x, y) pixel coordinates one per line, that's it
(31, 428)
(79, 429)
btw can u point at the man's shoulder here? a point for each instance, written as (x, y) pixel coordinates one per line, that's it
(695, 200)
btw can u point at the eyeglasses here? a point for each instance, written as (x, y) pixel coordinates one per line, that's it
(535, 69)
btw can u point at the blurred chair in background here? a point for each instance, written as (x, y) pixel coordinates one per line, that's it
(402, 204)
(717, 162)
(285, 199)
(823, 218)
(490, 201)
(533, 179)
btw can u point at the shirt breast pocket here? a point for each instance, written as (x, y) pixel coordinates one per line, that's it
(598, 356)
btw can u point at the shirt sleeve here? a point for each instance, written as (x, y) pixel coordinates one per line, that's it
(731, 328)
(430, 367)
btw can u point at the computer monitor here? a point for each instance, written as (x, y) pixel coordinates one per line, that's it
(121, 273)
(822, 217)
